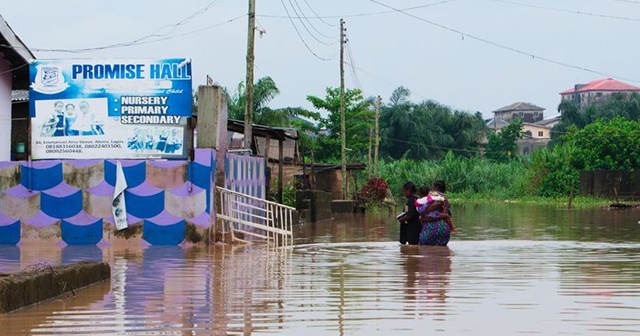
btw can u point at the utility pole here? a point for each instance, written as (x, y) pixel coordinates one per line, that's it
(369, 158)
(343, 131)
(377, 139)
(248, 114)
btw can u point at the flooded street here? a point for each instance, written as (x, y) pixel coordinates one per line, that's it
(512, 269)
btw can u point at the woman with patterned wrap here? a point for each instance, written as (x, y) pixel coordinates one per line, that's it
(435, 230)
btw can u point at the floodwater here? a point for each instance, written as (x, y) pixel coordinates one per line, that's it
(512, 269)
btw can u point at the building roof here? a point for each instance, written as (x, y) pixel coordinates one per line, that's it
(519, 106)
(275, 133)
(607, 84)
(19, 96)
(16, 53)
(496, 123)
(551, 120)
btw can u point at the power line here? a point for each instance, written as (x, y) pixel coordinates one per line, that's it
(318, 16)
(14, 69)
(300, 36)
(309, 21)
(351, 63)
(358, 15)
(301, 18)
(502, 46)
(179, 23)
(628, 1)
(382, 80)
(566, 10)
(435, 147)
(128, 44)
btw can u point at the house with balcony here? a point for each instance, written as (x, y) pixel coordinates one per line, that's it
(597, 91)
(537, 130)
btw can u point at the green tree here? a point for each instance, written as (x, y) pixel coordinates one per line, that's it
(427, 130)
(358, 117)
(264, 90)
(612, 144)
(552, 171)
(502, 146)
(622, 105)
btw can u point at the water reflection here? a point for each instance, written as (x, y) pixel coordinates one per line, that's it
(9, 259)
(428, 269)
(504, 274)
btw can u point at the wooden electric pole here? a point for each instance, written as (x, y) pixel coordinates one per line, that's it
(248, 113)
(369, 158)
(343, 131)
(377, 137)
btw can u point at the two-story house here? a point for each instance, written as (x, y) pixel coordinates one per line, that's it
(537, 130)
(596, 91)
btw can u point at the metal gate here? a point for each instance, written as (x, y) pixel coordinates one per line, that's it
(252, 219)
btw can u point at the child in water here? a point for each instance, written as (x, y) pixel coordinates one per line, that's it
(426, 199)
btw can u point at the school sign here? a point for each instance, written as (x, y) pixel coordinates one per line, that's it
(109, 109)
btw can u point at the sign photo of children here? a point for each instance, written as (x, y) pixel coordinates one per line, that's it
(71, 117)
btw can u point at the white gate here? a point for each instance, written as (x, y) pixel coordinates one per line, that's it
(252, 219)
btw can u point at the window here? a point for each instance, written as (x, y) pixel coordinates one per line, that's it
(527, 133)
(540, 133)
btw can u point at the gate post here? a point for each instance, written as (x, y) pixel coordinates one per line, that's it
(212, 133)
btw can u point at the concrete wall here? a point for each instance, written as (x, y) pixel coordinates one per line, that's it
(70, 201)
(610, 183)
(6, 81)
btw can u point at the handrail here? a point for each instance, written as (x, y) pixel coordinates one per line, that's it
(255, 198)
(252, 219)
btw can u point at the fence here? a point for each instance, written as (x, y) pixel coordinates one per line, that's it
(252, 219)
(610, 183)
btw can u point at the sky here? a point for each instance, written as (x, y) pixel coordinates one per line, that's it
(474, 55)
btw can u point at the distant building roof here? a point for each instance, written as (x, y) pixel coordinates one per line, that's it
(607, 84)
(496, 123)
(520, 106)
(551, 120)
(19, 96)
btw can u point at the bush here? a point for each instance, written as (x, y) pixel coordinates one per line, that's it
(553, 172)
(374, 191)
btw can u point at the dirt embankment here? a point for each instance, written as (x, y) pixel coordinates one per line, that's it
(41, 282)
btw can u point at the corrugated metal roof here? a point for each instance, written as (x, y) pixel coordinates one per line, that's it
(18, 96)
(520, 106)
(607, 84)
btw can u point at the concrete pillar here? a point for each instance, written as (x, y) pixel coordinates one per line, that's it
(212, 133)
(6, 76)
(212, 124)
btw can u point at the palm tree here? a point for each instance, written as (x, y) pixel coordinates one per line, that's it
(264, 90)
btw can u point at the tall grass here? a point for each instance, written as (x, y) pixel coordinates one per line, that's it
(465, 177)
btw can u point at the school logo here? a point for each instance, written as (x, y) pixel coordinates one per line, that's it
(49, 76)
(49, 80)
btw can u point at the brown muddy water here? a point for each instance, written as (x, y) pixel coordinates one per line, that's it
(512, 269)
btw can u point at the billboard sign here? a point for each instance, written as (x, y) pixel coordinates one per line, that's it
(109, 109)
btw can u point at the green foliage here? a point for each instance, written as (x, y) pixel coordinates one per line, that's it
(621, 105)
(264, 91)
(463, 175)
(553, 171)
(358, 120)
(502, 145)
(427, 130)
(288, 193)
(613, 144)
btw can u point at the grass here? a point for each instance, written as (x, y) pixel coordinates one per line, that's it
(580, 202)
(480, 180)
